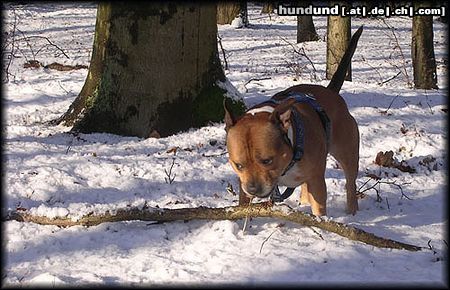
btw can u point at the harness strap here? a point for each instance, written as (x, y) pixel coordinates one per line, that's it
(298, 140)
(276, 196)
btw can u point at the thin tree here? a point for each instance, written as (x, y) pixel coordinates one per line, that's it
(243, 13)
(154, 71)
(305, 29)
(338, 37)
(422, 52)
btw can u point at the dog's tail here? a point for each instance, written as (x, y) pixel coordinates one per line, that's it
(338, 78)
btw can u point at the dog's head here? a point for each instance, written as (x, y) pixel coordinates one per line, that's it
(257, 147)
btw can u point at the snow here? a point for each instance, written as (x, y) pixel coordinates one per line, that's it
(237, 22)
(52, 172)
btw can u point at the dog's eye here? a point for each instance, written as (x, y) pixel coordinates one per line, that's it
(239, 166)
(267, 161)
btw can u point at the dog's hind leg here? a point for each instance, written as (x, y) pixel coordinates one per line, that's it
(351, 172)
(346, 151)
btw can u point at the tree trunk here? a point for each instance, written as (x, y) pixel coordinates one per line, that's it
(338, 37)
(268, 7)
(227, 11)
(153, 71)
(305, 29)
(422, 52)
(243, 13)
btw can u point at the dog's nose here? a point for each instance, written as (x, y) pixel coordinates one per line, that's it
(252, 188)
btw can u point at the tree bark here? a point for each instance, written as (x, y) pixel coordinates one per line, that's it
(228, 213)
(422, 53)
(338, 38)
(268, 7)
(305, 29)
(227, 11)
(243, 13)
(153, 71)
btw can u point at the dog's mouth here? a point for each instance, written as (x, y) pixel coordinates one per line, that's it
(265, 194)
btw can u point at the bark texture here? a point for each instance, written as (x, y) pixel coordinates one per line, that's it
(422, 52)
(338, 38)
(305, 29)
(153, 71)
(226, 213)
(227, 11)
(268, 7)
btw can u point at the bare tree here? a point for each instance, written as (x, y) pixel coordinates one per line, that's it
(422, 52)
(338, 37)
(243, 13)
(305, 29)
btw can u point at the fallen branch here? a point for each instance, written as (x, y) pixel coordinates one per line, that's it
(64, 67)
(226, 213)
(54, 65)
(254, 79)
(385, 112)
(390, 79)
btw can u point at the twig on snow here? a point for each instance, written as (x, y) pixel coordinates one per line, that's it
(391, 78)
(169, 179)
(254, 79)
(214, 155)
(403, 67)
(49, 43)
(266, 239)
(385, 111)
(317, 233)
(301, 52)
(378, 182)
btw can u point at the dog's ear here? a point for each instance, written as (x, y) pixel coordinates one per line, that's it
(230, 119)
(282, 114)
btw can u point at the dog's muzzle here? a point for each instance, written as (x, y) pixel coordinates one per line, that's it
(258, 191)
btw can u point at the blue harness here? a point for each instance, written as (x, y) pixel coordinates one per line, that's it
(298, 142)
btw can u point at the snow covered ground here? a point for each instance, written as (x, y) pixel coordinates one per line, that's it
(51, 172)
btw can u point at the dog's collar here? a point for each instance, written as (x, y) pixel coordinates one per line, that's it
(294, 137)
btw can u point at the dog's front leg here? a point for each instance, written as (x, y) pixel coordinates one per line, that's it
(304, 195)
(316, 191)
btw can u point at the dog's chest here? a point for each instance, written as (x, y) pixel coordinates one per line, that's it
(292, 178)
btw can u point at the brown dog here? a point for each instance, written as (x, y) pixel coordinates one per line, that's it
(285, 141)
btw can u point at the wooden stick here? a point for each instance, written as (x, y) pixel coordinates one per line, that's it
(225, 213)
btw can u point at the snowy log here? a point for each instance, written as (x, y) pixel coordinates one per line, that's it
(226, 213)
